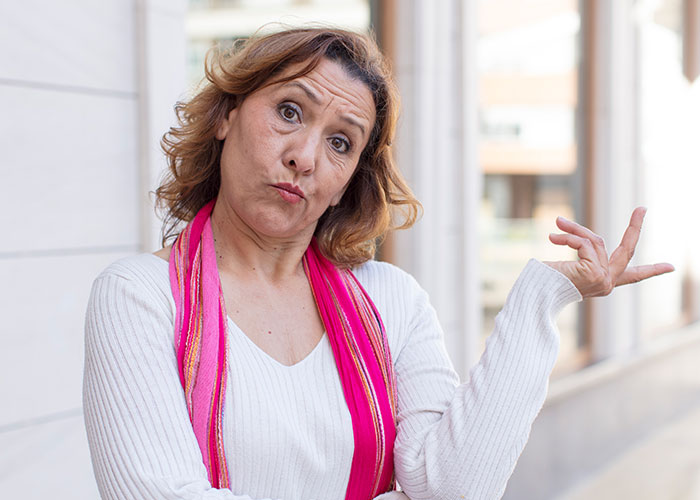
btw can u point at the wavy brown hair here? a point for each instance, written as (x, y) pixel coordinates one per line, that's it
(348, 232)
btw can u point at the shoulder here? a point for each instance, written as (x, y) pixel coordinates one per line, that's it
(380, 279)
(374, 271)
(134, 267)
(142, 278)
(146, 269)
(130, 315)
(400, 300)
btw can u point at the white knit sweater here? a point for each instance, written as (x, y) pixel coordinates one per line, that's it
(287, 430)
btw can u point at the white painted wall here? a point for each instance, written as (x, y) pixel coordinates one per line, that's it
(86, 89)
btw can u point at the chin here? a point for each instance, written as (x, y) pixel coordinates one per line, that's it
(278, 230)
(279, 225)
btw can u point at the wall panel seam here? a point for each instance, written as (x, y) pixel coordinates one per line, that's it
(44, 419)
(67, 252)
(71, 89)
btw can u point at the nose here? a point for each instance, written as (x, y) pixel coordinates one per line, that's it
(302, 152)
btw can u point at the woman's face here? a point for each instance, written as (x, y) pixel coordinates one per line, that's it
(291, 148)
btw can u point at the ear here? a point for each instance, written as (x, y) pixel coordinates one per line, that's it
(225, 125)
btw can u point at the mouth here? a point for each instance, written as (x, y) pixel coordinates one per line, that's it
(289, 192)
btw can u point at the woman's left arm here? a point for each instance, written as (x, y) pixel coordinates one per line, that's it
(462, 441)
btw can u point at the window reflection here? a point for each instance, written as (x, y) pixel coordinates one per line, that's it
(220, 22)
(669, 170)
(528, 70)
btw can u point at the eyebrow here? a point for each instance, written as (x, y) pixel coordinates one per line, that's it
(317, 100)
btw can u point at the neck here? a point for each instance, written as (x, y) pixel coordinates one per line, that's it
(247, 254)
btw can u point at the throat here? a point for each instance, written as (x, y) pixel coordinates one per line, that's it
(241, 251)
(282, 321)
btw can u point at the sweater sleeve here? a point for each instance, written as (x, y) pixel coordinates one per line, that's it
(463, 441)
(141, 440)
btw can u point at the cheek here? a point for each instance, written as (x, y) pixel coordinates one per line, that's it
(255, 145)
(263, 139)
(338, 186)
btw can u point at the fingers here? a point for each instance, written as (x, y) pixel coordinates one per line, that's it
(624, 253)
(599, 270)
(636, 274)
(583, 246)
(582, 231)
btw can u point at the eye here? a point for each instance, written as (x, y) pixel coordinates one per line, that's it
(289, 112)
(340, 144)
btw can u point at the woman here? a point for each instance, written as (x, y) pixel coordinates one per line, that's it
(263, 354)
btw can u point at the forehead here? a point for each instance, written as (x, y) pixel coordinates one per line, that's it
(330, 82)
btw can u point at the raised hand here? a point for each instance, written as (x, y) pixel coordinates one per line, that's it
(594, 274)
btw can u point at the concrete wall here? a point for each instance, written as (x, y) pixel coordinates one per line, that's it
(73, 163)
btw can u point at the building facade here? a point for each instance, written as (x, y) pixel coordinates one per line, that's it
(512, 114)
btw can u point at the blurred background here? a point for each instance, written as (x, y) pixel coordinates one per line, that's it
(514, 112)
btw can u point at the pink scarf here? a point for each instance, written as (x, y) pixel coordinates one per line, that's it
(355, 332)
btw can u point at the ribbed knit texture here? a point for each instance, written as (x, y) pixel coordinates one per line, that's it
(287, 430)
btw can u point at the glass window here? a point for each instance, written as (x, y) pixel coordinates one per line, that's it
(220, 22)
(669, 156)
(528, 61)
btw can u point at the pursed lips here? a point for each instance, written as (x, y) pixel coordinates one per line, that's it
(289, 192)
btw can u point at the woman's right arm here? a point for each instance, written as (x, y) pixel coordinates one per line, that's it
(138, 427)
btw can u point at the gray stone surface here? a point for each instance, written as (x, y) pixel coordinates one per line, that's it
(665, 466)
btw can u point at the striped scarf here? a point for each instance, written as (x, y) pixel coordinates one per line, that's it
(355, 332)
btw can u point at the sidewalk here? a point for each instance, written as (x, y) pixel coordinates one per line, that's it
(665, 466)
